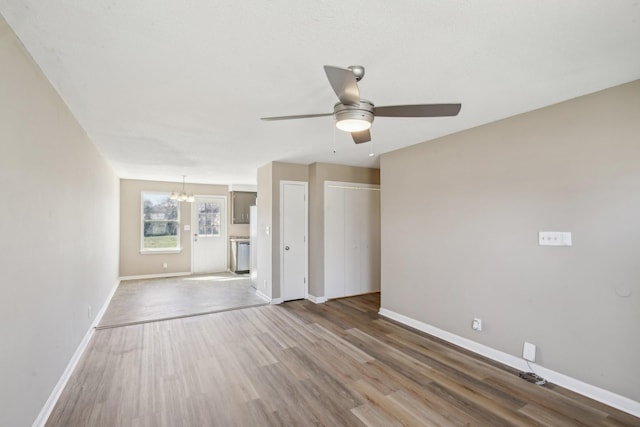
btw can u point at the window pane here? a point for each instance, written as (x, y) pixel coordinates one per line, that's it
(160, 221)
(209, 219)
(159, 207)
(160, 234)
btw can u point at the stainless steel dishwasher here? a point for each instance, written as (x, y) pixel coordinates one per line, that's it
(240, 254)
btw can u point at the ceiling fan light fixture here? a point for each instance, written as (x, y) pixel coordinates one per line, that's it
(354, 119)
(353, 125)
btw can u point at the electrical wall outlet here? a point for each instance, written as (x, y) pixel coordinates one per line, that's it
(554, 238)
(529, 352)
(476, 325)
(165, 265)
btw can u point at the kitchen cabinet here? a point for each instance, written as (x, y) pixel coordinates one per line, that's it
(352, 239)
(241, 201)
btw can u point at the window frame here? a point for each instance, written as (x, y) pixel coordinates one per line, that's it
(178, 221)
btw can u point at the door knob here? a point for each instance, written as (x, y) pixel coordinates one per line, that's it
(286, 248)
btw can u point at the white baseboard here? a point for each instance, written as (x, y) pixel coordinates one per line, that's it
(316, 300)
(268, 298)
(263, 296)
(45, 412)
(601, 395)
(155, 276)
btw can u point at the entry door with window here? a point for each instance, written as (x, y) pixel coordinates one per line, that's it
(209, 234)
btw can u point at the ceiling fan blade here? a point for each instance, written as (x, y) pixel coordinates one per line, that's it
(344, 84)
(420, 110)
(362, 136)
(301, 116)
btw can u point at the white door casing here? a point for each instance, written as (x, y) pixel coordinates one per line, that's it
(209, 234)
(293, 240)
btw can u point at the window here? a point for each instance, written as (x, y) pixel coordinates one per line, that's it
(160, 223)
(209, 219)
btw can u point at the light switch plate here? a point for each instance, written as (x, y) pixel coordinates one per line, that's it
(187, 227)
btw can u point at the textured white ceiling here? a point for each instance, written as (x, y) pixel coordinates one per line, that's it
(166, 88)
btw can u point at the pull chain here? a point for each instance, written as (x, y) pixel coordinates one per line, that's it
(334, 140)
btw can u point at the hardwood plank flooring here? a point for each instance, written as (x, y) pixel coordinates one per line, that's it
(147, 300)
(302, 364)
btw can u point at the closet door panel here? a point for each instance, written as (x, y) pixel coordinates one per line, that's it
(353, 217)
(334, 248)
(370, 242)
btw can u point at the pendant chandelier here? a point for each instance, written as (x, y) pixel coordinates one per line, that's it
(183, 196)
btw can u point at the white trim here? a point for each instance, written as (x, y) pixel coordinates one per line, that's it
(155, 276)
(276, 301)
(601, 395)
(263, 296)
(160, 251)
(45, 412)
(305, 184)
(316, 300)
(353, 186)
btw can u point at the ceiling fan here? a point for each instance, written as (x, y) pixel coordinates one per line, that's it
(355, 115)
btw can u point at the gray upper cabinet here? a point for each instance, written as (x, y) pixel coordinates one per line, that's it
(240, 203)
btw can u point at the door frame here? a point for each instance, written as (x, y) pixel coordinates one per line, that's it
(223, 236)
(305, 184)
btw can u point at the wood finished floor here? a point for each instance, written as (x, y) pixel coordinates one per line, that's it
(302, 364)
(146, 300)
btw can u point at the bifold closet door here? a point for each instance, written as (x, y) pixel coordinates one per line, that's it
(352, 240)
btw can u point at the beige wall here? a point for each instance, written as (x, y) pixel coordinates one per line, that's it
(460, 223)
(59, 221)
(318, 174)
(132, 262)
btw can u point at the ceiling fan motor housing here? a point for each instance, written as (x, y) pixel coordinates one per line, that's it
(361, 111)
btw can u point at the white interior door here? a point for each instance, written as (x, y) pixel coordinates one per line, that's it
(209, 234)
(293, 229)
